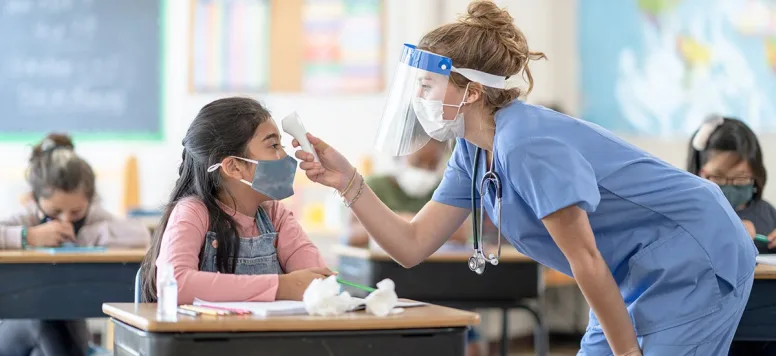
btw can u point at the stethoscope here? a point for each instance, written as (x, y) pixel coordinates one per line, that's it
(478, 261)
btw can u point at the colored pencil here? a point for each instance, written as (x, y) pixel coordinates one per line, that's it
(233, 310)
(355, 285)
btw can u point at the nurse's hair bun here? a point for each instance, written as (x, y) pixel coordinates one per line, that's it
(485, 14)
(486, 39)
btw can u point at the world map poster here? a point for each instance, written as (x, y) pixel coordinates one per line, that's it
(660, 67)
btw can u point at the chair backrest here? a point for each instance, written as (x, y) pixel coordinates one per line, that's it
(138, 285)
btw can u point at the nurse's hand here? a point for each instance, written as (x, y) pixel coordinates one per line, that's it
(333, 170)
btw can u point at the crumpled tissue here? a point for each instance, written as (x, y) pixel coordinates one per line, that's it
(382, 301)
(322, 297)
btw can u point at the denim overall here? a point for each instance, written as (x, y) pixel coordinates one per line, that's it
(256, 255)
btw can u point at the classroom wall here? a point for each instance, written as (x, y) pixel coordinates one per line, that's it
(346, 121)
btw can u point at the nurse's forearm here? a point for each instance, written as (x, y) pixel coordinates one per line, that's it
(393, 233)
(601, 292)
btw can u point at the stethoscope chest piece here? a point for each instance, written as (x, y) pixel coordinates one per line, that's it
(477, 264)
(478, 261)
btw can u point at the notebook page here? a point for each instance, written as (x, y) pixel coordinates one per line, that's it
(280, 307)
(767, 259)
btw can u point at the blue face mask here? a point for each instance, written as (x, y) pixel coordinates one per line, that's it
(275, 179)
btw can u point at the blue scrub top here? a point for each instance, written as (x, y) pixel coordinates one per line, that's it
(671, 240)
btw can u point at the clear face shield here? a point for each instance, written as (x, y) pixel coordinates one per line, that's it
(413, 113)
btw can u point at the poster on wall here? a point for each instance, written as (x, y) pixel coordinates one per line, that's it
(660, 67)
(230, 45)
(342, 46)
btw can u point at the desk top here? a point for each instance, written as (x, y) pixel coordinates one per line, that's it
(143, 316)
(765, 272)
(110, 255)
(508, 254)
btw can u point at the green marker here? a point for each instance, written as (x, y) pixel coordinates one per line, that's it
(761, 238)
(355, 285)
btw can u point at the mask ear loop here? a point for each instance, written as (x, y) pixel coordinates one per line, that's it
(213, 167)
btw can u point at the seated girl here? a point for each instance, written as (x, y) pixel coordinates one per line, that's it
(224, 230)
(63, 209)
(727, 152)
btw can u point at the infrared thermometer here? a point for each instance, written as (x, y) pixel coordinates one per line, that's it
(292, 125)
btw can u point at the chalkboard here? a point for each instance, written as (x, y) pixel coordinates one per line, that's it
(87, 67)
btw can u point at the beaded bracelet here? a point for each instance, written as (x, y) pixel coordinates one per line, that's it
(358, 194)
(24, 237)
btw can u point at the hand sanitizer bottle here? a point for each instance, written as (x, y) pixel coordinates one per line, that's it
(167, 293)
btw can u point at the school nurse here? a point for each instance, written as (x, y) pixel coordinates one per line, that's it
(661, 257)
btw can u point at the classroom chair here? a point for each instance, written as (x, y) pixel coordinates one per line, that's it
(138, 284)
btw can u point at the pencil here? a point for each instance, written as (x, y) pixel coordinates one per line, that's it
(233, 310)
(187, 312)
(205, 311)
(355, 285)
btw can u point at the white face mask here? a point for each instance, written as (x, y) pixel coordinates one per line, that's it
(417, 182)
(430, 116)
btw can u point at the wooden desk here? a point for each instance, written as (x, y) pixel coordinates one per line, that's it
(759, 320)
(762, 272)
(417, 331)
(108, 256)
(444, 278)
(65, 286)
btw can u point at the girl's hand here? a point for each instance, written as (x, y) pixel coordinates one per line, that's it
(749, 228)
(291, 286)
(50, 234)
(772, 239)
(333, 170)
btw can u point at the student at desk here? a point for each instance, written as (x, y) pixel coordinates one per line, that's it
(727, 152)
(224, 231)
(63, 210)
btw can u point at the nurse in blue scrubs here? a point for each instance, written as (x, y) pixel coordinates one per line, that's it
(661, 257)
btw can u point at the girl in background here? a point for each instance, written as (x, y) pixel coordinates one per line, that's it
(727, 152)
(62, 210)
(63, 207)
(224, 231)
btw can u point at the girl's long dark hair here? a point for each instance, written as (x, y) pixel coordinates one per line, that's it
(732, 135)
(222, 128)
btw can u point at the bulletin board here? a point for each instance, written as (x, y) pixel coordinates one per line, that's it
(312, 46)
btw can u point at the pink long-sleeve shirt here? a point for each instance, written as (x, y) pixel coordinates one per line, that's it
(185, 233)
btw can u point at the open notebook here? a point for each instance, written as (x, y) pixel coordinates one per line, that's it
(767, 259)
(289, 307)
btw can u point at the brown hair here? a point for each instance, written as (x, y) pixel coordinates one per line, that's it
(221, 129)
(485, 39)
(55, 166)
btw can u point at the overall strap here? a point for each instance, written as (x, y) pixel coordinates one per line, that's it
(263, 222)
